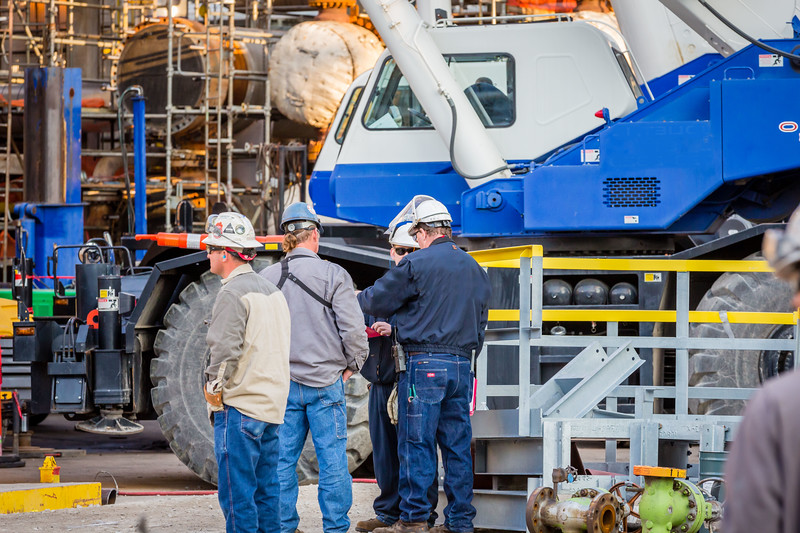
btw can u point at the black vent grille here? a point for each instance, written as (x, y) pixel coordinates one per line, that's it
(631, 192)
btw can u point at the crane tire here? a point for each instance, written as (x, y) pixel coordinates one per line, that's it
(177, 394)
(736, 291)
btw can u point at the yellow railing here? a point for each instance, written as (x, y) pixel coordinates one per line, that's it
(510, 258)
(646, 315)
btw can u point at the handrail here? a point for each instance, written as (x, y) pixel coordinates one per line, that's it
(531, 316)
(624, 264)
(509, 258)
(499, 256)
(647, 315)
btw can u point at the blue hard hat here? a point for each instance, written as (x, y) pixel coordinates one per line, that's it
(299, 215)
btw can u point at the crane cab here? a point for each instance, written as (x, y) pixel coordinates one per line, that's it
(534, 86)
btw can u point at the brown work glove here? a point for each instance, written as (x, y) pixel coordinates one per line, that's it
(214, 398)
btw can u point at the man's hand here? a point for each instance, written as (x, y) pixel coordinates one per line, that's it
(346, 374)
(383, 328)
(214, 399)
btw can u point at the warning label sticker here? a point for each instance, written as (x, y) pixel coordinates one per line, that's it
(591, 155)
(631, 219)
(770, 60)
(652, 277)
(108, 301)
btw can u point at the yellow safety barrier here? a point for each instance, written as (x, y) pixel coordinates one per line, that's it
(28, 498)
(511, 258)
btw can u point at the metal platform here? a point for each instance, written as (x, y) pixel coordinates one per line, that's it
(519, 448)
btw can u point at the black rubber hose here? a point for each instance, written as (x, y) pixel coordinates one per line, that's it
(453, 145)
(743, 35)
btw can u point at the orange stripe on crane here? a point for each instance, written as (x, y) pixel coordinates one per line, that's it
(193, 241)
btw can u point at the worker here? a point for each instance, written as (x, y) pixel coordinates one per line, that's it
(329, 344)
(763, 470)
(247, 379)
(498, 106)
(440, 298)
(379, 370)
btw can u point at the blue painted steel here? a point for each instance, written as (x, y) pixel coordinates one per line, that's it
(72, 118)
(45, 225)
(760, 131)
(42, 226)
(497, 205)
(628, 189)
(139, 170)
(727, 137)
(319, 191)
(661, 85)
(664, 168)
(375, 193)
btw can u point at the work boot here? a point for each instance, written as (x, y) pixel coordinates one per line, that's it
(404, 527)
(441, 529)
(371, 524)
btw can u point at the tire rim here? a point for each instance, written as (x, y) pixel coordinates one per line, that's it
(773, 363)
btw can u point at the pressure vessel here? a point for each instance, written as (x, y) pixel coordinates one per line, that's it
(313, 64)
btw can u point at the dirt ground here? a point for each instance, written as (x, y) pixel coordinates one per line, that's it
(140, 463)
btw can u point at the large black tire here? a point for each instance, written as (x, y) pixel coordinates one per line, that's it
(736, 291)
(177, 376)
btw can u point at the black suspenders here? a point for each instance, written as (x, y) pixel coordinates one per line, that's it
(285, 274)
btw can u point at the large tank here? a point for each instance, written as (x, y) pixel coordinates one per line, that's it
(312, 66)
(143, 61)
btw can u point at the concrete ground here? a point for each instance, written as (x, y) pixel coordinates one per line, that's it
(140, 463)
(144, 462)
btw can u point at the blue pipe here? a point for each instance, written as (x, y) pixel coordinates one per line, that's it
(139, 166)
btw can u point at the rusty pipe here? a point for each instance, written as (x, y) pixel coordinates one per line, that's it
(545, 514)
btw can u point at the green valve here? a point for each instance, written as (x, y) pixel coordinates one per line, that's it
(674, 506)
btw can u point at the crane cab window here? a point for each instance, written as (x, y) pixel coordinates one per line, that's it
(347, 116)
(487, 81)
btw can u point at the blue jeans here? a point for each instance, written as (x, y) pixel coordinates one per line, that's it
(323, 411)
(246, 450)
(434, 397)
(384, 458)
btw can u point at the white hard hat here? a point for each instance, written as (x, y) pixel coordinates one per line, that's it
(423, 209)
(231, 230)
(398, 236)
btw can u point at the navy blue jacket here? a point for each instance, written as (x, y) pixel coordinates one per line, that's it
(440, 299)
(379, 365)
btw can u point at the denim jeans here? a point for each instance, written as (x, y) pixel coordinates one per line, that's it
(323, 411)
(246, 450)
(384, 457)
(434, 397)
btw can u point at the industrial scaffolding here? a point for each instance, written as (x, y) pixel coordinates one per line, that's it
(92, 36)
